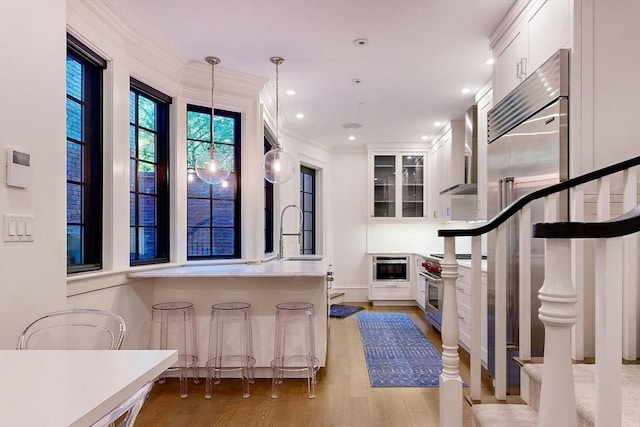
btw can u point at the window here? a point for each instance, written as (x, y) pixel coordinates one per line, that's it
(213, 211)
(308, 205)
(268, 198)
(149, 184)
(84, 157)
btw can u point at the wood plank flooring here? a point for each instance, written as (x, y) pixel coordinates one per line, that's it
(344, 395)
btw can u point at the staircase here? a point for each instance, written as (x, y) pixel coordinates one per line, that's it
(588, 308)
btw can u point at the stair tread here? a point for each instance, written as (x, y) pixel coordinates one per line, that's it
(498, 414)
(584, 380)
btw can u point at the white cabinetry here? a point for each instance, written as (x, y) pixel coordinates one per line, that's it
(446, 168)
(485, 102)
(397, 187)
(463, 291)
(393, 290)
(536, 33)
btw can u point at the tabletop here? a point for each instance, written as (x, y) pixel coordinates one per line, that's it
(72, 387)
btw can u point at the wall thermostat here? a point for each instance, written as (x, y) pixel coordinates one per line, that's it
(18, 168)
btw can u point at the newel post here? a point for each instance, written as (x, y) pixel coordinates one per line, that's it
(558, 313)
(450, 381)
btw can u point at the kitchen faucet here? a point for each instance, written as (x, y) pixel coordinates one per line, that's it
(282, 233)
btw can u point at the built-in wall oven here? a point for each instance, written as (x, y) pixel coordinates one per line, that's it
(391, 268)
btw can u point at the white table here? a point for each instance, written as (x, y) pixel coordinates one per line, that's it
(72, 387)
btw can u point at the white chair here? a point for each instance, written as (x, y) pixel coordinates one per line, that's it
(75, 329)
(126, 413)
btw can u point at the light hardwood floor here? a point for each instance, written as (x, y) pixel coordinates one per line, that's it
(344, 395)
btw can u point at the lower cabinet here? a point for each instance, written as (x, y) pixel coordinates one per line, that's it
(463, 291)
(400, 290)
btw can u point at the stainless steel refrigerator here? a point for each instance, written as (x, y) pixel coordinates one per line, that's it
(528, 150)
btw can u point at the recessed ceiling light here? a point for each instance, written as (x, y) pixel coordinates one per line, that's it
(465, 90)
(356, 81)
(361, 42)
(437, 123)
(489, 61)
(299, 116)
(290, 92)
(352, 138)
(424, 137)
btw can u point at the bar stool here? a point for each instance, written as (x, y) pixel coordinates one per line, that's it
(230, 345)
(294, 349)
(173, 326)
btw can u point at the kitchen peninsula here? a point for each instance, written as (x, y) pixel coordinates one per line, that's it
(263, 285)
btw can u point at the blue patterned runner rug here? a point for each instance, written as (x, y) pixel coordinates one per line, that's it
(398, 354)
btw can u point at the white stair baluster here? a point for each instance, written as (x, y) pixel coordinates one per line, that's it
(476, 319)
(577, 274)
(630, 272)
(501, 313)
(450, 381)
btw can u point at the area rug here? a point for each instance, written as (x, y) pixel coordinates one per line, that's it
(342, 310)
(397, 352)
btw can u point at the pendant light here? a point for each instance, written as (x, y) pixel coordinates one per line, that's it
(278, 165)
(210, 165)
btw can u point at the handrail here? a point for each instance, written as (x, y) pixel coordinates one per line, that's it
(518, 204)
(623, 225)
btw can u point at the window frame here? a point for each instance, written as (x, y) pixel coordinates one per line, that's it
(162, 184)
(269, 236)
(92, 145)
(237, 227)
(305, 170)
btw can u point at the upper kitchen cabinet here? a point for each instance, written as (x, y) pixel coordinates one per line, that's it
(535, 32)
(446, 170)
(397, 185)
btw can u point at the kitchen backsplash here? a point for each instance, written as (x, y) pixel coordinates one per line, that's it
(414, 238)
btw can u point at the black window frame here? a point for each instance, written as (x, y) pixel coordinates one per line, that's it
(307, 171)
(269, 143)
(162, 193)
(237, 229)
(92, 161)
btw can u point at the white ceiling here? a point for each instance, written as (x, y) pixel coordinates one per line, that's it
(420, 54)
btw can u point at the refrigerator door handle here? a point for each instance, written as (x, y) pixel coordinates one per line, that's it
(508, 190)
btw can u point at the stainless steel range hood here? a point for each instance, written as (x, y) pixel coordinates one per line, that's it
(470, 184)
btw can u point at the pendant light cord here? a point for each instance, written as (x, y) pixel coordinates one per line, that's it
(213, 61)
(213, 88)
(277, 105)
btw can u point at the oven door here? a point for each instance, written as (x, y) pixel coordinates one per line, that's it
(433, 291)
(390, 269)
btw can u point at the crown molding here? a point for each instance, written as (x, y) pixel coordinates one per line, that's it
(112, 22)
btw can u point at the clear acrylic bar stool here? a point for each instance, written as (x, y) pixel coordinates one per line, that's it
(230, 345)
(294, 349)
(173, 326)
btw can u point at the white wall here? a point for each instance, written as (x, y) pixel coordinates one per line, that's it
(32, 119)
(348, 194)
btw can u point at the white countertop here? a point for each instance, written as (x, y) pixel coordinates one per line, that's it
(467, 263)
(275, 268)
(59, 388)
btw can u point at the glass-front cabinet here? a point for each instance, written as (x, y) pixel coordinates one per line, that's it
(398, 185)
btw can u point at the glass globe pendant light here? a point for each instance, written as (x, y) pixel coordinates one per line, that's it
(210, 165)
(278, 164)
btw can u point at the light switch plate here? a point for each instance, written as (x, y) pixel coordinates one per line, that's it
(17, 228)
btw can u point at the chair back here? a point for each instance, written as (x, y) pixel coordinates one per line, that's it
(75, 329)
(125, 414)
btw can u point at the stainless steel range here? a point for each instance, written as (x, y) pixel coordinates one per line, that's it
(431, 273)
